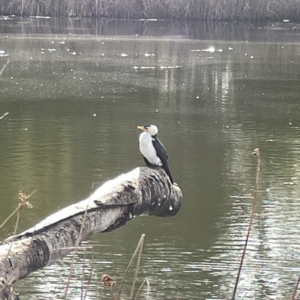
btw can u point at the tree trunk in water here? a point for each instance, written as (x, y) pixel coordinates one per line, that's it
(143, 191)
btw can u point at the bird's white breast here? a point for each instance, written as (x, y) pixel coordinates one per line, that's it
(147, 149)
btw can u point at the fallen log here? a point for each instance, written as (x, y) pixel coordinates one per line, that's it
(143, 191)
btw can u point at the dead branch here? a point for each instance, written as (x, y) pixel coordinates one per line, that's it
(143, 191)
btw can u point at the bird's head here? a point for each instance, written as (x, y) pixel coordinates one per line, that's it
(151, 129)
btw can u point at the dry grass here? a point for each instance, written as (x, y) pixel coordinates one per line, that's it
(23, 201)
(159, 9)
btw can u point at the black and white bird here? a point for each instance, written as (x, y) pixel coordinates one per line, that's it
(152, 150)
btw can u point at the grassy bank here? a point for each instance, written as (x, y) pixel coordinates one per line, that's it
(165, 9)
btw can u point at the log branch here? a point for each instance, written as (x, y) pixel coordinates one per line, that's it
(143, 191)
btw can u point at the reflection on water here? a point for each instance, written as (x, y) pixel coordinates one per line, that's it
(76, 92)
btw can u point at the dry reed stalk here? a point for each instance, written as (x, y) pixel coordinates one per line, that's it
(140, 289)
(76, 248)
(256, 153)
(23, 200)
(83, 296)
(137, 265)
(294, 297)
(139, 248)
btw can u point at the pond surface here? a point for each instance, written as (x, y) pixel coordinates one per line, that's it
(76, 90)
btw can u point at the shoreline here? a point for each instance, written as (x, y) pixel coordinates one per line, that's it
(226, 10)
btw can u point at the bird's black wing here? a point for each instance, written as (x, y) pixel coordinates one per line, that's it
(163, 155)
(148, 164)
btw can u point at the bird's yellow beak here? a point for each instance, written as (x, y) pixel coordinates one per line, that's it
(142, 128)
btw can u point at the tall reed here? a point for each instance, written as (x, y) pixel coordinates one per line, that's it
(255, 153)
(253, 10)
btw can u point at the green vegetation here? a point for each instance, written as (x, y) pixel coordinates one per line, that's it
(160, 9)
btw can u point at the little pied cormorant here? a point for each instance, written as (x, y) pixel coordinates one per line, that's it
(152, 150)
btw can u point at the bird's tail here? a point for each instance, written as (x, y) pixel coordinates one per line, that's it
(166, 167)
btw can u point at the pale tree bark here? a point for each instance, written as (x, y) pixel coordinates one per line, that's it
(143, 191)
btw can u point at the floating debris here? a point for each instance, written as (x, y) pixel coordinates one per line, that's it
(62, 42)
(51, 50)
(3, 54)
(153, 68)
(149, 54)
(151, 20)
(4, 115)
(40, 17)
(169, 67)
(210, 50)
(124, 55)
(6, 18)
(4, 67)
(144, 68)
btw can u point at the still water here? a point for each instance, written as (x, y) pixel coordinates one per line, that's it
(76, 90)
